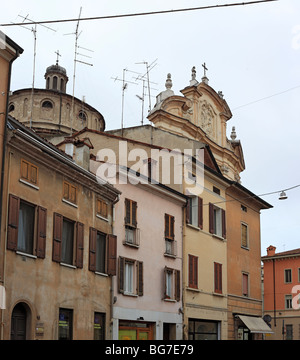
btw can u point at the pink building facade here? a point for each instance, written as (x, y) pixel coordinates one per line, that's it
(147, 291)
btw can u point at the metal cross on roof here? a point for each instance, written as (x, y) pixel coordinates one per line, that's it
(58, 54)
(205, 69)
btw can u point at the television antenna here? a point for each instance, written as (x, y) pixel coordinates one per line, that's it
(34, 31)
(77, 34)
(124, 87)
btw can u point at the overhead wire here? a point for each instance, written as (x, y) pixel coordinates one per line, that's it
(139, 14)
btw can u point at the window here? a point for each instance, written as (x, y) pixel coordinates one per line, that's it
(54, 83)
(172, 284)
(217, 221)
(244, 208)
(131, 231)
(288, 301)
(245, 284)
(244, 231)
(130, 277)
(47, 104)
(218, 278)
(102, 252)
(288, 275)
(69, 192)
(65, 324)
(203, 330)
(99, 326)
(11, 108)
(68, 241)
(170, 243)
(82, 116)
(289, 332)
(216, 190)
(27, 225)
(29, 172)
(193, 271)
(194, 211)
(102, 208)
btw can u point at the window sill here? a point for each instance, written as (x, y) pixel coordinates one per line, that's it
(245, 248)
(102, 217)
(130, 294)
(170, 255)
(193, 289)
(218, 237)
(69, 203)
(26, 255)
(101, 274)
(218, 294)
(170, 300)
(29, 184)
(68, 265)
(127, 243)
(194, 227)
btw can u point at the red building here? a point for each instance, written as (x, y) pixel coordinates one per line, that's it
(281, 288)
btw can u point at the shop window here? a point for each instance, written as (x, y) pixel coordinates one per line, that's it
(203, 330)
(99, 326)
(65, 324)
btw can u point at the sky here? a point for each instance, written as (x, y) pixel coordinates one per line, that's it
(252, 53)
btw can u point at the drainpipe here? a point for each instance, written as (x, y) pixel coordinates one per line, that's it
(274, 292)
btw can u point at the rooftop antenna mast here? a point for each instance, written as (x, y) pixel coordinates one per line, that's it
(148, 68)
(124, 87)
(34, 31)
(77, 34)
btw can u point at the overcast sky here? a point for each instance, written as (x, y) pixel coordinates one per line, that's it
(252, 53)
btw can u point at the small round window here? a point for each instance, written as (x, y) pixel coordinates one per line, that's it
(11, 108)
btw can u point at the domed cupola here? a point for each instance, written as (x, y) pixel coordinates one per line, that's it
(56, 77)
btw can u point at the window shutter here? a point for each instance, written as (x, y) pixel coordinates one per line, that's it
(79, 244)
(245, 284)
(172, 227)
(133, 213)
(200, 213)
(57, 237)
(41, 232)
(92, 249)
(211, 218)
(188, 211)
(112, 255)
(127, 211)
(218, 277)
(165, 282)
(167, 226)
(121, 274)
(140, 280)
(223, 223)
(13, 222)
(193, 271)
(177, 285)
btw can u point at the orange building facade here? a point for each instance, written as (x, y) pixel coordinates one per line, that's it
(281, 288)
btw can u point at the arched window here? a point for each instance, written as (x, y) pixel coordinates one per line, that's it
(11, 108)
(62, 85)
(82, 115)
(47, 104)
(55, 83)
(48, 83)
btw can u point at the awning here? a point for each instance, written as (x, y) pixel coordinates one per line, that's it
(255, 324)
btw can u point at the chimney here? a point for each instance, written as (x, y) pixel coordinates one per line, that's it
(271, 250)
(82, 153)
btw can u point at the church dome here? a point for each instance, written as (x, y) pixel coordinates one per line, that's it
(56, 78)
(56, 69)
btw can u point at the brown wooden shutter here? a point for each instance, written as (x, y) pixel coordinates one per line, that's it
(211, 218)
(127, 211)
(188, 211)
(121, 274)
(200, 213)
(167, 225)
(165, 282)
(57, 237)
(134, 213)
(172, 227)
(193, 271)
(177, 285)
(79, 244)
(13, 222)
(218, 277)
(41, 232)
(112, 255)
(223, 223)
(140, 280)
(92, 249)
